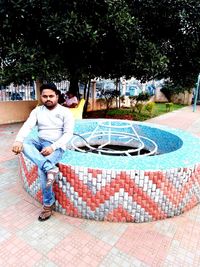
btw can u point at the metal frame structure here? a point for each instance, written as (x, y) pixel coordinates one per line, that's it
(108, 133)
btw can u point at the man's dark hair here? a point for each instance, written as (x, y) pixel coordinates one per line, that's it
(50, 86)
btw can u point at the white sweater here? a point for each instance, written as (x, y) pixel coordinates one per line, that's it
(54, 125)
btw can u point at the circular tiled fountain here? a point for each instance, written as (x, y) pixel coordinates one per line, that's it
(127, 171)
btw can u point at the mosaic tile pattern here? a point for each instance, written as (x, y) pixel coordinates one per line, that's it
(125, 189)
(176, 148)
(118, 196)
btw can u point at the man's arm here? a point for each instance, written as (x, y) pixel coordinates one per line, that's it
(24, 131)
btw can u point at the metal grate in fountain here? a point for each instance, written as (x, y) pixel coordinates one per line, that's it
(111, 138)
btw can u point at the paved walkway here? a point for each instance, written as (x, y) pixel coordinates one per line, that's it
(65, 241)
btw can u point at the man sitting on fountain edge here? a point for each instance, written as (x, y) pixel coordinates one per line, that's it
(55, 128)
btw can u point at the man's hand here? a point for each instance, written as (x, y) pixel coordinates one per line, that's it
(17, 147)
(46, 151)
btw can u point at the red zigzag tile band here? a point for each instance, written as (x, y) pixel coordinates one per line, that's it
(119, 196)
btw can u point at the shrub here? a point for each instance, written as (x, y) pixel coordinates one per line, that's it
(109, 95)
(144, 96)
(101, 102)
(150, 107)
(139, 107)
(170, 89)
(169, 106)
(137, 102)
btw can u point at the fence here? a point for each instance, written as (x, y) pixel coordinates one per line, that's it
(18, 92)
(63, 86)
(26, 92)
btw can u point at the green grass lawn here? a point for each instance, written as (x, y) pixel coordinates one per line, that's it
(159, 109)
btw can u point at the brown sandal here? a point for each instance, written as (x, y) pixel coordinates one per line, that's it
(46, 213)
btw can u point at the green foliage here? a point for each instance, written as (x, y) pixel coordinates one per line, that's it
(169, 106)
(109, 96)
(137, 102)
(173, 27)
(170, 89)
(85, 39)
(132, 101)
(159, 109)
(139, 106)
(144, 96)
(150, 107)
(119, 112)
(73, 39)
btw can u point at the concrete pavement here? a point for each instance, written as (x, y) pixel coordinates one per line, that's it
(66, 241)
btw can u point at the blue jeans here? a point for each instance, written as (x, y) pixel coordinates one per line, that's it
(31, 149)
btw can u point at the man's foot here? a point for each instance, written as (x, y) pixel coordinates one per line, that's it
(46, 213)
(51, 176)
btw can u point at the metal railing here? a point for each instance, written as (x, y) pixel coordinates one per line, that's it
(63, 86)
(26, 91)
(18, 92)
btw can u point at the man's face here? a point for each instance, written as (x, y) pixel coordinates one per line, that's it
(49, 98)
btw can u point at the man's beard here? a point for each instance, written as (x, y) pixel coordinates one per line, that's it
(49, 104)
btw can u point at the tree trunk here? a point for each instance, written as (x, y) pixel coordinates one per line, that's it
(85, 90)
(118, 89)
(73, 87)
(38, 83)
(87, 97)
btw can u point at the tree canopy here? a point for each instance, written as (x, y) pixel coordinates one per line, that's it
(80, 40)
(174, 27)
